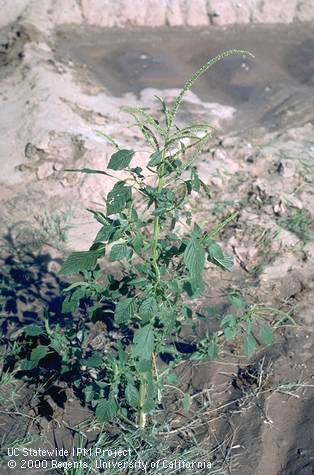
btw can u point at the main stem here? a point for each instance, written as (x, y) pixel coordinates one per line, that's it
(141, 414)
(156, 227)
(155, 255)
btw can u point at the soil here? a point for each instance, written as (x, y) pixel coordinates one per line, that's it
(259, 414)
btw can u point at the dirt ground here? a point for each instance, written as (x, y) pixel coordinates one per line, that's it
(55, 92)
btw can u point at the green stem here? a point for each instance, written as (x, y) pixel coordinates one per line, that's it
(141, 421)
(156, 226)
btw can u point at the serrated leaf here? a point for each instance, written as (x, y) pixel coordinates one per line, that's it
(174, 286)
(121, 159)
(249, 345)
(143, 366)
(38, 353)
(149, 406)
(104, 233)
(155, 159)
(118, 198)
(194, 257)
(148, 309)
(137, 243)
(80, 261)
(124, 310)
(93, 361)
(119, 252)
(33, 330)
(266, 334)
(168, 318)
(217, 257)
(143, 343)
(106, 410)
(132, 395)
(72, 301)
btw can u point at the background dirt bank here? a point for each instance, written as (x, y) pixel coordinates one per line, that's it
(60, 85)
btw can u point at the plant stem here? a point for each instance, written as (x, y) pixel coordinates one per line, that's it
(141, 422)
(157, 377)
(156, 227)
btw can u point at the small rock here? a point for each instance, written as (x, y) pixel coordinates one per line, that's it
(57, 166)
(45, 170)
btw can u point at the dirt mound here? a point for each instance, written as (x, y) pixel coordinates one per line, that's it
(46, 14)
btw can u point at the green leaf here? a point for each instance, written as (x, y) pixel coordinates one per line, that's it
(38, 353)
(148, 309)
(228, 320)
(143, 343)
(104, 233)
(27, 365)
(194, 287)
(138, 171)
(138, 281)
(168, 318)
(132, 395)
(217, 257)
(236, 300)
(59, 342)
(118, 198)
(172, 378)
(89, 171)
(80, 261)
(194, 257)
(230, 333)
(266, 334)
(249, 345)
(93, 361)
(106, 410)
(137, 243)
(121, 159)
(124, 310)
(174, 286)
(119, 252)
(144, 366)
(186, 402)
(72, 301)
(100, 217)
(212, 350)
(33, 330)
(155, 159)
(89, 393)
(149, 406)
